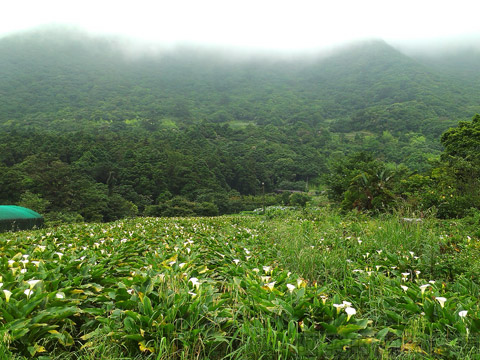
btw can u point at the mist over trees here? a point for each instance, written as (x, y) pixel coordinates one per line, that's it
(88, 132)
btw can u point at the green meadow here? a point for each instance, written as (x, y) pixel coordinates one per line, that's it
(287, 284)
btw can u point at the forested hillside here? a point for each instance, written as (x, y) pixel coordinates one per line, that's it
(94, 130)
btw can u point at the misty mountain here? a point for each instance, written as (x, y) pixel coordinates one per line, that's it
(59, 78)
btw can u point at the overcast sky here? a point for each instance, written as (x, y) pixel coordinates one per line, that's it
(263, 24)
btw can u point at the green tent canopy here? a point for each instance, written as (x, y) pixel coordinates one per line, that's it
(18, 218)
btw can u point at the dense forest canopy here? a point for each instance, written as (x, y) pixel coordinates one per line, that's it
(97, 132)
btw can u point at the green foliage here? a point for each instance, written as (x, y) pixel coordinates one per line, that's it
(34, 202)
(298, 199)
(296, 285)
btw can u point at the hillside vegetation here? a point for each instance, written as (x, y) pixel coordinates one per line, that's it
(285, 285)
(92, 130)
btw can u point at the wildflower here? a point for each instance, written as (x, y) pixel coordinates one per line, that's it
(462, 313)
(441, 300)
(346, 303)
(417, 272)
(301, 282)
(270, 285)
(378, 267)
(195, 282)
(246, 251)
(171, 263)
(290, 287)
(338, 307)
(256, 270)
(405, 288)
(192, 293)
(7, 295)
(32, 283)
(11, 262)
(28, 292)
(350, 312)
(424, 287)
(41, 248)
(324, 298)
(24, 262)
(267, 269)
(404, 276)
(182, 265)
(236, 261)
(1, 284)
(59, 255)
(60, 295)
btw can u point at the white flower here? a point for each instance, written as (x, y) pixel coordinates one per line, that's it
(267, 269)
(246, 251)
(60, 295)
(347, 303)
(338, 307)
(32, 283)
(195, 282)
(236, 261)
(1, 284)
(405, 288)
(182, 265)
(7, 295)
(24, 262)
(59, 254)
(441, 300)
(11, 262)
(417, 272)
(324, 298)
(350, 312)
(192, 293)
(28, 292)
(270, 285)
(256, 270)
(424, 287)
(301, 282)
(462, 313)
(290, 287)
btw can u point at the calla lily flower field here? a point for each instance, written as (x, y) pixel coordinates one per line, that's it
(286, 284)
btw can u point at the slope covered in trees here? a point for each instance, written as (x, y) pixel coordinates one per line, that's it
(91, 128)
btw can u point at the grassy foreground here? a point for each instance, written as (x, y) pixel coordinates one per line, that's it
(284, 285)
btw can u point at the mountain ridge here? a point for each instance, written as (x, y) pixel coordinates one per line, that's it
(73, 74)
